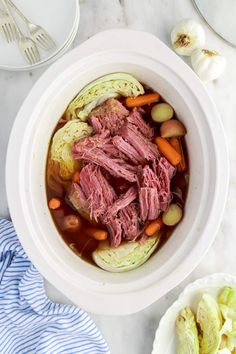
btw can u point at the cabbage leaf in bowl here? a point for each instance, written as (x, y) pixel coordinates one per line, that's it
(210, 322)
(227, 303)
(98, 91)
(186, 329)
(62, 143)
(125, 257)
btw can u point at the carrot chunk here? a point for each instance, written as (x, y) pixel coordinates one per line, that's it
(154, 227)
(54, 203)
(98, 234)
(176, 143)
(168, 151)
(142, 100)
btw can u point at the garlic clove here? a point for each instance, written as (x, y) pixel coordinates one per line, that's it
(207, 64)
(186, 36)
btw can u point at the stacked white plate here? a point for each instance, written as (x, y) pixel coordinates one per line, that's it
(60, 18)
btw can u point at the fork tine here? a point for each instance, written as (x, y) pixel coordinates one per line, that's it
(41, 42)
(10, 32)
(33, 54)
(5, 33)
(48, 39)
(35, 49)
(28, 57)
(47, 42)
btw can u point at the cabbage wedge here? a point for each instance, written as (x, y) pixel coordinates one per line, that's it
(210, 322)
(227, 304)
(62, 143)
(186, 329)
(125, 257)
(98, 91)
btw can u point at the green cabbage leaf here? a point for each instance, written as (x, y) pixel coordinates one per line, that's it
(227, 304)
(210, 322)
(125, 257)
(98, 91)
(186, 329)
(62, 143)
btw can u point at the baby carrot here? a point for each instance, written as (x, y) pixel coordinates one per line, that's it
(98, 234)
(76, 177)
(154, 227)
(176, 143)
(168, 151)
(142, 100)
(54, 203)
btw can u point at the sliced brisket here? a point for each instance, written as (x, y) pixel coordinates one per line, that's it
(146, 149)
(130, 222)
(127, 149)
(149, 203)
(136, 119)
(108, 116)
(117, 167)
(100, 195)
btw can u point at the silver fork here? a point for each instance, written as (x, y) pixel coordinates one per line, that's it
(37, 33)
(7, 27)
(27, 46)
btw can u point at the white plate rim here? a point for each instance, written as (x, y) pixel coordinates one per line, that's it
(60, 51)
(216, 280)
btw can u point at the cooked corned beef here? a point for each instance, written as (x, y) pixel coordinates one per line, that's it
(123, 201)
(130, 222)
(136, 119)
(115, 231)
(149, 203)
(108, 116)
(115, 166)
(165, 172)
(127, 149)
(147, 150)
(149, 178)
(98, 191)
(121, 147)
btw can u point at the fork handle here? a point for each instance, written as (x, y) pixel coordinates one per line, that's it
(5, 4)
(25, 19)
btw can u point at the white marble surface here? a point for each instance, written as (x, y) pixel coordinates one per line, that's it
(134, 334)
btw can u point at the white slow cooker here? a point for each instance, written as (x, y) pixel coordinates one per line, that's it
(151, 62)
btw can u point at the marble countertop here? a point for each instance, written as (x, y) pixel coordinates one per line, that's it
(134, 334)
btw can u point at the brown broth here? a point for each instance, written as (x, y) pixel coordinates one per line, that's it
(78, 241)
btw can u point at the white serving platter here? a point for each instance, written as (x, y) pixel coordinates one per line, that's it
(166, 339)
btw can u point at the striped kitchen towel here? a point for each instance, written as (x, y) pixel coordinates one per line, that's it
(29, 321)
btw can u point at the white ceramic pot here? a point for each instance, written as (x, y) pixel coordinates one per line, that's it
(151, 62)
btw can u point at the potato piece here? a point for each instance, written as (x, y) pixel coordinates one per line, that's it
(162, 112)
(72, 223)
(172, 128)
(172, 215)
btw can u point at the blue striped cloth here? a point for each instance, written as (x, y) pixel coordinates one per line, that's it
(29, 321)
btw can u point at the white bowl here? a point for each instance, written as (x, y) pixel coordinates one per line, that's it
(150, 61)
(166, 340)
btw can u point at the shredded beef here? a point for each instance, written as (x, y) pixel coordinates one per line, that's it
(98, 191)
(147, 150)
(136, 119)
(121, 147)
(108, 116)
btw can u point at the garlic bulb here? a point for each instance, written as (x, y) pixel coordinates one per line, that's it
(207, 64)
(186, 36)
